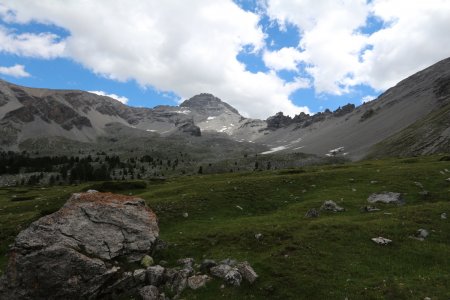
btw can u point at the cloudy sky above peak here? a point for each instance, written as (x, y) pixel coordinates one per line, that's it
(260, 56)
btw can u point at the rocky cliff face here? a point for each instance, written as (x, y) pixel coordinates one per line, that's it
(76, 252)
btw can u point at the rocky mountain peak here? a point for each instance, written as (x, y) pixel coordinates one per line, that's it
(205, 103)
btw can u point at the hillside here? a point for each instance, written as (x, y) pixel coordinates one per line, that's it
(329, 257)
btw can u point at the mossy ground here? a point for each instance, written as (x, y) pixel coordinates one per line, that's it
(330, 257)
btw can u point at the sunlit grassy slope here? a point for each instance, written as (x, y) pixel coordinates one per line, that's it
(330, 257)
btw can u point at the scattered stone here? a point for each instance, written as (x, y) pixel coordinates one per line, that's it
(421, 234)
(186, 262)
(239, 207)
(147, 261)
(91, 191)
(198, 281)
(443, 216)
(353, 190)
(220, 270)
(331, 206)
(233, 277)
(247, 271)
(418, 184)
(258, 236)
(139, 275)
(448, 179)
(369, 208)
(149, 292)
(381, 240)
(312, 213)
(207, 264)
(427, 298)
(185, 215)
(424, 193)
(75, 247)
(374, 182)
(386, 197)
(155, 275)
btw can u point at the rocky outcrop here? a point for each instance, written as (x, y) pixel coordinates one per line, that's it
(330, 205)
(387, 198)
(278, 121)
(76, 251)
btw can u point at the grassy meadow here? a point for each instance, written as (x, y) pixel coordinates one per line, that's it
(329, 257)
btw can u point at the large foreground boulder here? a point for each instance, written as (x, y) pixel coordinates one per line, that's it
(76, 252)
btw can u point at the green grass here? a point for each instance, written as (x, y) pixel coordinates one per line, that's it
(331, 257)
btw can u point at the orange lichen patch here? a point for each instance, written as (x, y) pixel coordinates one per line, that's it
(110, 199)
(104, 198)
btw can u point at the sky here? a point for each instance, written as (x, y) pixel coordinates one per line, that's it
(260, 56)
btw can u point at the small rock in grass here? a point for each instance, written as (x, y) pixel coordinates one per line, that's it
(418, 184)
(386, 197)
(331, 206)
(448, 179)
(381, 240)
(424, 193)
(91, 191)
(185, 215)
(369, 208)
(258, 236)
(374, 182)
(149, 292)
(421, 234)
(247, 271)
(197, 281)
(239, 207)
(444, 216)
(155, 275)
(312, 213)
(233, 277)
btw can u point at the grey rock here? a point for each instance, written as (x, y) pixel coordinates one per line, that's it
(330, 205)
(312, 213)
(220, 270)
(444, 216)
(247, 271)
(155, 275)
(186, 262)
(139, 275)
(369, 208)
(176, 280)
(381, 240)
(197, 281)
(386, 197)
(233, 277)
(258, 236)
(207, 264)
(149, 292)
(74, 248)
(421, 234)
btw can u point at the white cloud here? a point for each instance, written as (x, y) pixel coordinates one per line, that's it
(416, 34)
(284, 59)
(14, 71)
(122, 99)
(186, 47)
(43, 45)
(368, 98)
